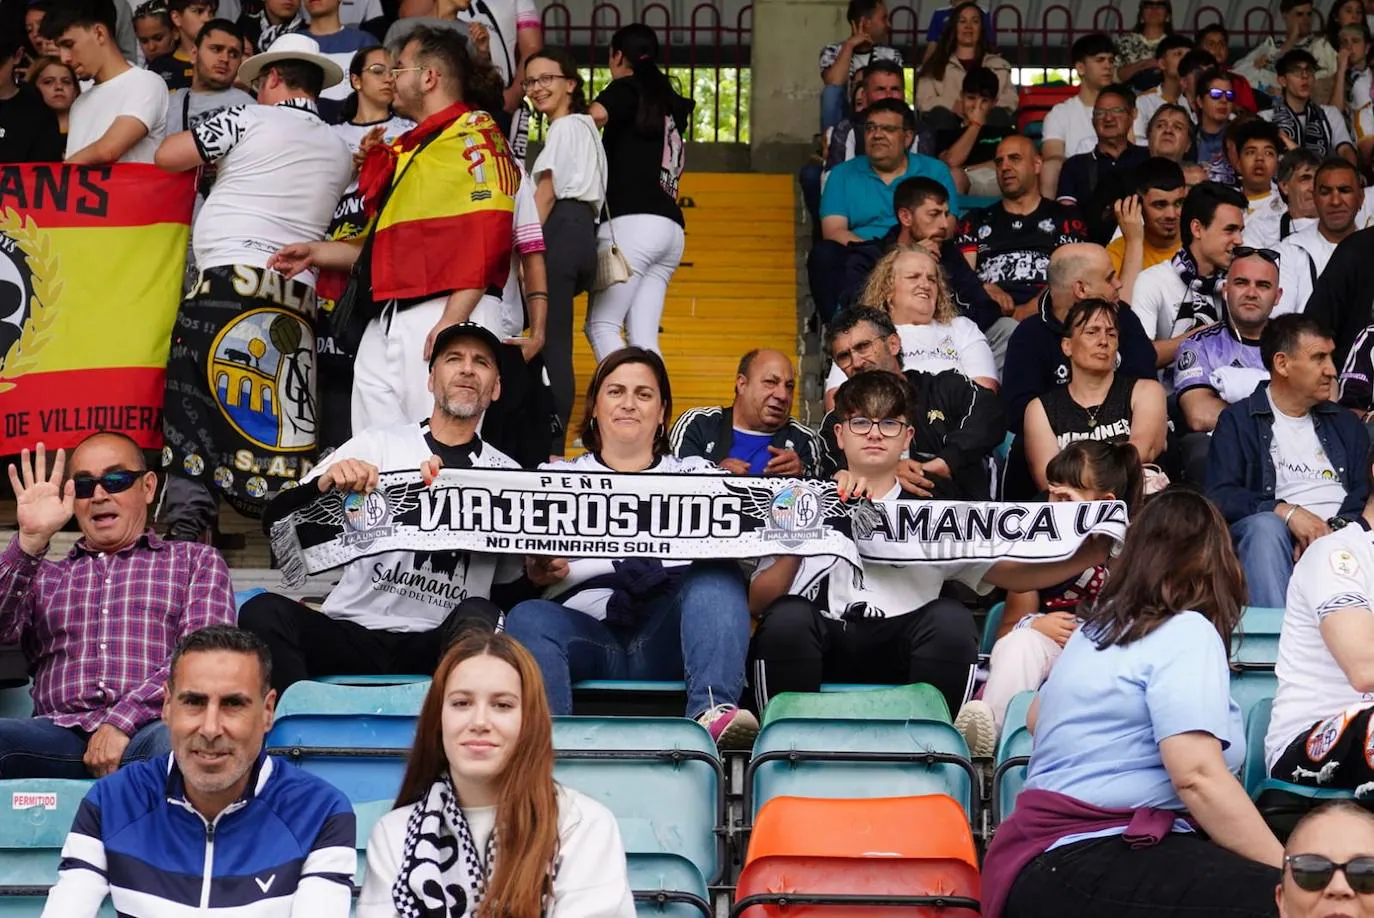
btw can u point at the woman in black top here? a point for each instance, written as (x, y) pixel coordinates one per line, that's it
(644, 120)
(1097, 403)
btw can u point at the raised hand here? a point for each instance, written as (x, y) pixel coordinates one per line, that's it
(45, 503)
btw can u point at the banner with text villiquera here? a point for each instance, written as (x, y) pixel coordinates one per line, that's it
(669, 517)
(91, 262)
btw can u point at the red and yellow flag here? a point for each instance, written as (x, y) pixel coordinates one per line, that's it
(91, 263)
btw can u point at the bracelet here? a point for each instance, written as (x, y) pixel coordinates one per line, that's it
(535, 296)
(1289, 515)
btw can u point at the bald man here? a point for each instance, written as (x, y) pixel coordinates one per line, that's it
(1340, 833)
(757, 434)
(1009, 243)
(99, 624)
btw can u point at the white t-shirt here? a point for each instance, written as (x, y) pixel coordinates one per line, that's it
(1300, 256)
(135, 93)
(1072, 122)
(574, 155)
(281, 173)
(1146, 104)
(593, 601)
(1340, 133)
(1334, 574)
(1262, 216)
(408, 591)
(1304, 475)
(505, 315)
(936, 347)
(888, 590)
(353, 134)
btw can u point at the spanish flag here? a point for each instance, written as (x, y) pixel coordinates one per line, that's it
(448, 222)
(91, 264)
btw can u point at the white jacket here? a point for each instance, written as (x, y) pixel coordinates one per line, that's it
(592, 880)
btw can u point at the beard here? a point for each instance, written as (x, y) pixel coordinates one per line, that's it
(464, 409)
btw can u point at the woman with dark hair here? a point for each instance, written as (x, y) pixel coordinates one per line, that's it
(480, 828)
(1136, 744)
(369, 107)
(570, 188)
(645, 121)
(963, 46)
(1098, 403)
(639, 618)
(1135, 51)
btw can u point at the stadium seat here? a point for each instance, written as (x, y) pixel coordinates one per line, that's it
(16, 701)
(805, 757)
(1255, 645)
(1013, 755)
(242, 596)
(1036, 102)
(991, 624)
(373, 679)
(824, 858)
(663, 780)
(355, 737)
(1250, 686)
(1280, 803)
(31, 837)
(366, 815)
(646, 698)
(892, 702)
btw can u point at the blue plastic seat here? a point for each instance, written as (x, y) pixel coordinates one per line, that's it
(649, 698)
(1256, 776)
(991, 624)
(366, 815)
(31, 838)
(1255, 644)
(365, 679)
(16, 701)
(1013, 756)
(663, 780)
(802, 757)
(355, 737)
(1251, 686)
(242, 596)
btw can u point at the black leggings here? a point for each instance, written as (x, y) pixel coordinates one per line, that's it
(796, 648)
(306, 644)
(570, 261)
(1184, 875)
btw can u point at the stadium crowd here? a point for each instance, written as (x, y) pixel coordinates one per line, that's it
(1165, 301)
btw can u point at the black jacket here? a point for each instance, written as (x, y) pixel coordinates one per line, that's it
(956, 420)
(709, 433)
(1343, 298)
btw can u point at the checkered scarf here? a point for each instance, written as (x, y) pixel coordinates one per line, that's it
(1311, 130)
(1199, 306)
(442, 874)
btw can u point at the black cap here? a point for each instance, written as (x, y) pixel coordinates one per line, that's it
(465, 330)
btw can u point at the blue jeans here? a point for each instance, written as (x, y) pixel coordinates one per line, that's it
(834, 105)
(35, 747)
(1265, 549)
(700, 633)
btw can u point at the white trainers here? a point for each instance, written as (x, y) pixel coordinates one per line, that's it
(976, 723)
(730, 727)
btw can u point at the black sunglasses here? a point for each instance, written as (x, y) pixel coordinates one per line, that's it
(1313, 872)
(1245, 251)
(112, 482)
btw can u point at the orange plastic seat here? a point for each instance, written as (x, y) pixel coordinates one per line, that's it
(1036, 101)
(874, 858)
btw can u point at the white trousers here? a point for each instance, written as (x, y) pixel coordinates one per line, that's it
(653, 247)
(1020, 662)
(390, 373)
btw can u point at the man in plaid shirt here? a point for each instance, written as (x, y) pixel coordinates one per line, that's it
(97, 626)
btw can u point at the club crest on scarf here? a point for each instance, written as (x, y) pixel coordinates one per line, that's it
(797, 511)
(367, 517)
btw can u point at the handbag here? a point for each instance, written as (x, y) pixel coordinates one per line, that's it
(612, 267)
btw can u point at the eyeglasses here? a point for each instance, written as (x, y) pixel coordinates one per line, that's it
(1227, 94)
(1314, 872)
(888, 427)
(543, 81)
(377, 70)
(113, 483)
(1115, 110)
(872, 128)
(396, 70)
(1245, 251)
(1298, 71)
(845, 359)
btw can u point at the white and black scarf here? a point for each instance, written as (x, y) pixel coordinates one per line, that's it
(1199, 306)
(270, 33)
(442, 874)
(1310, 131)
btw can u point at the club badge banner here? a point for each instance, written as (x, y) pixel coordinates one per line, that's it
(91, 262)
(669, 517)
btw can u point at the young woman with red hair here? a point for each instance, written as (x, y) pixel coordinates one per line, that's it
(480, 828)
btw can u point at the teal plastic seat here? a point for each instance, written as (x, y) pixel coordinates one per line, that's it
(991, 624)
(1280, 803)
(1251, 686)
(891, 702)
(31, 839)
(661, 777)
(1013, 757)
(355, 737)
(1255, 644)
(650, 698)
(667, 885)
(364, 679)
(16, 701)
(366, 814)
(806, 757)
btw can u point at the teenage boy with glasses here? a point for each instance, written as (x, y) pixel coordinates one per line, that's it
(99, 624)
(1302, 122)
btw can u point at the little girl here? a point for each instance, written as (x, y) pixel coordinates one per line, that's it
(1036, 625)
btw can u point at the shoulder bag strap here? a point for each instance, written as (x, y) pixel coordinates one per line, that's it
(605, 191)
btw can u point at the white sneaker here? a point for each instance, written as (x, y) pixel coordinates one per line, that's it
(976, 723)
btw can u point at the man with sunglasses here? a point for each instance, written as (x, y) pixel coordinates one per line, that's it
(1302, 122)
(815, 620)
(99, 624)
(1328, 864)
(961, 423)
